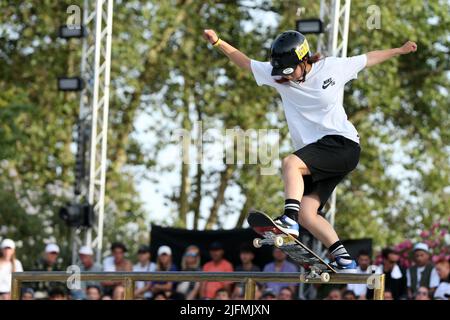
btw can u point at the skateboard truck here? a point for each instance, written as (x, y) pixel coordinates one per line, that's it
(315, 273)
(277, 241)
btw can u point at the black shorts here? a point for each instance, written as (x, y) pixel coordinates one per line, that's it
(329, 160)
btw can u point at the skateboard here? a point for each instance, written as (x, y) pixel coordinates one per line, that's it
(316, 267)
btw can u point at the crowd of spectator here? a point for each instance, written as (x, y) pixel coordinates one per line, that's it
(422, 281)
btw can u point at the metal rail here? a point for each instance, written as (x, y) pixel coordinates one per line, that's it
(249, 278)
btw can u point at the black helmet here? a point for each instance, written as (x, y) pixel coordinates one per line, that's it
(287, 51)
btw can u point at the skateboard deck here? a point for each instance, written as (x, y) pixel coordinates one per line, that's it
(315, 266)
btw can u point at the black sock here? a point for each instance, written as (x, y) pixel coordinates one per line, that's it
(338, 250)
(291, 208)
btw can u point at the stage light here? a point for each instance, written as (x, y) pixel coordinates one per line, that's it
(77, 215)
(70, 84)
(306, 26)
(71, 32)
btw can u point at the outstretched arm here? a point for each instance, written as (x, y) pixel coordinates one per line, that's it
(379, 56)
(238, 58)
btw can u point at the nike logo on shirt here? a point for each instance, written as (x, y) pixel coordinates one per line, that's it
(327, 83)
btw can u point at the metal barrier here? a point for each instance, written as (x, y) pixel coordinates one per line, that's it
(249, 278)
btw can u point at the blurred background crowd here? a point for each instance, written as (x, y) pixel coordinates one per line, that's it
(424, 279)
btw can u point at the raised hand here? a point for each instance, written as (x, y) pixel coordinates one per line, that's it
(210, 35)
(408, 47)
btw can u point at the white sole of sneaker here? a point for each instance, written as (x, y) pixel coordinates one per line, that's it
(289, 231)
(345, 270)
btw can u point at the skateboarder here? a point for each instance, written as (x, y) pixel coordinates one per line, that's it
(327, 143)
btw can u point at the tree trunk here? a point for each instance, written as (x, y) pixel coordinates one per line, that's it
(249, 200)
(225, 176)
(184, 191)
(198, 178)
(185, 161)
(244, 212)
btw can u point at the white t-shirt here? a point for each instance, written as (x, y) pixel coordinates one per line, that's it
(358, 288)
(150, 267)
(109, 265)
(442, 289)
(313, 108)
(434, 277)
(6, 275)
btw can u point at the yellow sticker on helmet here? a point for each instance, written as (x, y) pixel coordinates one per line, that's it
(302, 50)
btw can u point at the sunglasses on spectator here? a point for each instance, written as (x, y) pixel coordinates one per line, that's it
(190, 254)
(423, 293)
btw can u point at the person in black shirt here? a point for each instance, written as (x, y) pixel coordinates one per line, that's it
(395, 276)
(247, 255)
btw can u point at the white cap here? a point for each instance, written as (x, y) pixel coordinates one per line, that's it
(52, 247)
(422, 246)
(8, 243)
(164, 250)
(86, 251)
